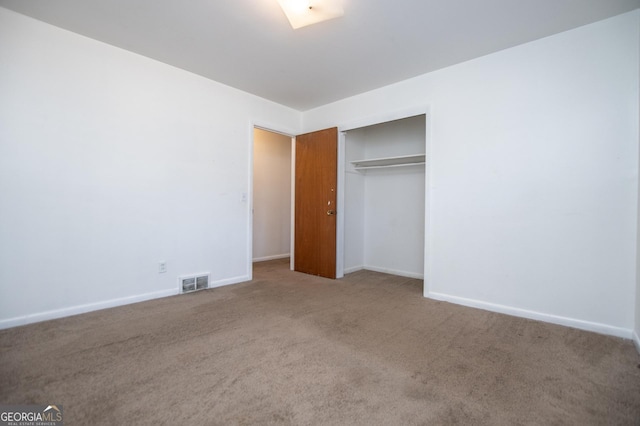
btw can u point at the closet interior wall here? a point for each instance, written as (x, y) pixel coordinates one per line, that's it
(384, 211)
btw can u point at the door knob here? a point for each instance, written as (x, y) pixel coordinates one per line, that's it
(331, 212)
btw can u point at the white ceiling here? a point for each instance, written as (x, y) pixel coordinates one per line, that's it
(248, 44)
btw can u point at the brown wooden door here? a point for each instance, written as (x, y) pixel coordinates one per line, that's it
(315, 203)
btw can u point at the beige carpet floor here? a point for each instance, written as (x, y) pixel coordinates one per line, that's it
(289, 348)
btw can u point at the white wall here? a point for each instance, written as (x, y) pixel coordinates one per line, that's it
(354, 191)
(111, 162)
(271, 195)
(532, 174)
(384, 213)
(636, 335)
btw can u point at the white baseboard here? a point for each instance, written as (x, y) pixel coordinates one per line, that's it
(229, 281)
(353, 269)
(89, 307)
(81, 309)
(384, 271)
(523, 313)
(275, 257)
(636, 340)
(394, 272)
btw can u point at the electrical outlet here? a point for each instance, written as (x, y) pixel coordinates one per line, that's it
(162, 267)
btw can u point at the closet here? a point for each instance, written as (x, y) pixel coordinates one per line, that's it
(384, 197)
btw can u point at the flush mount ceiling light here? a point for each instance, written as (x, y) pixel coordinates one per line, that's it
(306, 12)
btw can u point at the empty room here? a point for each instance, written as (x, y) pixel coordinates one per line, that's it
(315, 212)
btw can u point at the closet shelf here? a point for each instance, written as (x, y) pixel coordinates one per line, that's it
(378, 163)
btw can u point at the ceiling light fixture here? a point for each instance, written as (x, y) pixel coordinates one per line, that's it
(306, 12)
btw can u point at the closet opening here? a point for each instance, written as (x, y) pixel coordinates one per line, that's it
(384, 181)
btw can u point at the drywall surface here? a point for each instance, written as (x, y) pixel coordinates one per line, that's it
(533, 163)
(636, 335)
(111, 163)
(354, 203)
(271, 195)
(388, 204)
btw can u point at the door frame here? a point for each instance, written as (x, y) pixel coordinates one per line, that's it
(285, 132)
(371, 121)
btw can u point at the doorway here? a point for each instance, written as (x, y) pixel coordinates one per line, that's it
(271, 208)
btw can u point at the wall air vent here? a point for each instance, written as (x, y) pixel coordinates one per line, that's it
(194, 282)
(202, 282)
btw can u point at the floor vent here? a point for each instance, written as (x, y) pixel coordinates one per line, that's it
(194, 283)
